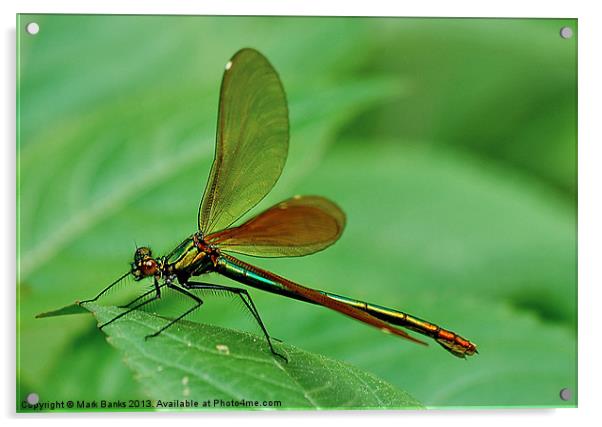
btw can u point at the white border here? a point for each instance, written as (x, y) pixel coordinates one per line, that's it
(590, 212)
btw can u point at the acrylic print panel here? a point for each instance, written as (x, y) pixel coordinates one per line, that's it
(448, 147)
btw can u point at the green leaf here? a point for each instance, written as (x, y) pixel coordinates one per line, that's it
(74, 308)
(87, 360)
(201, 362)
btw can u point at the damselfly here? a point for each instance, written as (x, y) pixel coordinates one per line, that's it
(251, 149)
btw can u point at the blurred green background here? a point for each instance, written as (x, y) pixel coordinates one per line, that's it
(450, 143)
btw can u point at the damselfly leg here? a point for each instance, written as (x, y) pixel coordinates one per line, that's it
(105, 290)
(248, 301)
(132, 306)
(197, 300)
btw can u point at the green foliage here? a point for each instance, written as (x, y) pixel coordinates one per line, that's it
(452, 153)
(68, 309)
(201, 362)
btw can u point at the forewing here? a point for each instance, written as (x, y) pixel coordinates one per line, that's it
(298, 226)
(252, 140)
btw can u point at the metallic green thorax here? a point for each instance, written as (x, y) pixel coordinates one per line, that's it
(188, 259)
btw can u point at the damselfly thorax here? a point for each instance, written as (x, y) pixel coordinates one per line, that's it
(192, 257)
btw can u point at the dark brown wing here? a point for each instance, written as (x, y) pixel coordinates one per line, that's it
(298, 226)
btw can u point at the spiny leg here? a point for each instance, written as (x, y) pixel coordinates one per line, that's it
(105, 289)
(129, 304)
(136, 307)
(198, 301)
(155, 289)
(157, 295)
(249, 304)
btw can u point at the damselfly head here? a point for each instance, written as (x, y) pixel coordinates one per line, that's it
(144, 264)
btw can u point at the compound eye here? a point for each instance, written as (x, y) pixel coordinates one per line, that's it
(141, 253)
(149, 267)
